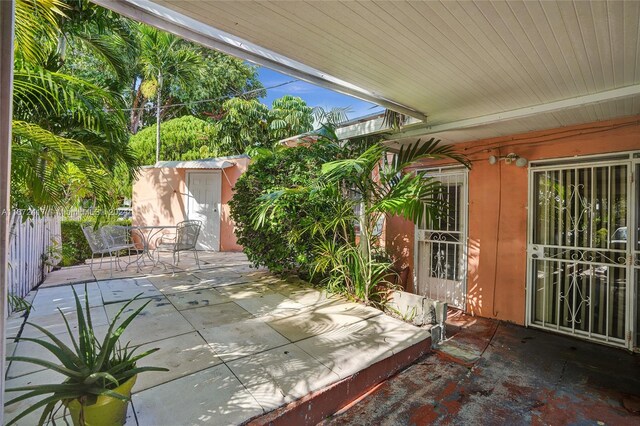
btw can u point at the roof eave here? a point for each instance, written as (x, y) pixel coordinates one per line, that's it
(191, 29)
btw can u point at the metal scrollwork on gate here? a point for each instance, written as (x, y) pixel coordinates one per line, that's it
(439, 269)
(584, 209)
(584, 255)
(445, 237)
(573, 307)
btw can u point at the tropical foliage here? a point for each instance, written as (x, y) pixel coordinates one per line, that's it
(245, 124)
(84, 78)
(183, 138)
(60, 121)
(348, 199)
(279, 244)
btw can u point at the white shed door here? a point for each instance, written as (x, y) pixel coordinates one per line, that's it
(203, 204)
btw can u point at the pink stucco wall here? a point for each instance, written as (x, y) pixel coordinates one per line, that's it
(158, 199)
(496, 276)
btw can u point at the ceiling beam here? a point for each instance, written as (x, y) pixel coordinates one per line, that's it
(556, 106)
(191, 29)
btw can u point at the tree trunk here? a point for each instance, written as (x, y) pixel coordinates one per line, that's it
(136, 113)
(158, 107)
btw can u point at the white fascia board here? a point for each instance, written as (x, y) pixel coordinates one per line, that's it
(565, 104)
(370, 127)
(188, 28)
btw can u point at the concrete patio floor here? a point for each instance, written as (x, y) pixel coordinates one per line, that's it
(238, 341)
(494, 373)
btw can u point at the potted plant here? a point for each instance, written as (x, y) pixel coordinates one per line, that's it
(99, 373)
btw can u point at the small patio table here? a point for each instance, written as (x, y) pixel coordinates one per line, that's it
(148, 234)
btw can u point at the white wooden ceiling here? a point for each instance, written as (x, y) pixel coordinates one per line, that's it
(449, 60)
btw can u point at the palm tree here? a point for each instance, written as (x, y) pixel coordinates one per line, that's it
(59, 119)
(363, 190)
(376, 179)
(289, 116)
(166, 60)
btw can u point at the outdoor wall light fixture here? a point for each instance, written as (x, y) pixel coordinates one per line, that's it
(511, 158)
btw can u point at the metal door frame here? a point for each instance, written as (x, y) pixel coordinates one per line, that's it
(632, 161)
(435, 172)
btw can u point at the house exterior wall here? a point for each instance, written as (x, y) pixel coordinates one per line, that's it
(159, 199)
(498, 196)
(228, 239)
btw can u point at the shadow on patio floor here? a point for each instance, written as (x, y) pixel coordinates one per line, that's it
(238, 342)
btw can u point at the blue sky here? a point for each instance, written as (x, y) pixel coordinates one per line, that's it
(313, 95)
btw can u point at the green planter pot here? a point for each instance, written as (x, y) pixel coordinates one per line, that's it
(106, 411)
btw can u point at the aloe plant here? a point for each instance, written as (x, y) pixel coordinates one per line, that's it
(92, 367)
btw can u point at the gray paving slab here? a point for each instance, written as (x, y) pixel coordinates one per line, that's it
(267, 303)
(124, 289)
(197, 299)
(169, 284)
(182, 355)
(155, 305)
(215, 315)
(242, 338)
(373, 340)
(246, 290)
(320, 319)
(13, 325)
(212, 396)
(281, 375)
(54, 322)
(25, 348)
(31, 349)
(157, 327)
(11, 411)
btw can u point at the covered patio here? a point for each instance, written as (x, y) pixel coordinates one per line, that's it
(239, 342)
(556, 84)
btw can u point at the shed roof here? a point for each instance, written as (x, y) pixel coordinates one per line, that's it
(207, 163)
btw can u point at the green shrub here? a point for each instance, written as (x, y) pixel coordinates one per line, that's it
(75, 249)
(183, 138)
(281, 243)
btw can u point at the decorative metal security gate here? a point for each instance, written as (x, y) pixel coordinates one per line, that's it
(581, 274)
(441, 246)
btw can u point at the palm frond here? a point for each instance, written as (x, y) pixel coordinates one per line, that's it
(36, 28)
(430, 149)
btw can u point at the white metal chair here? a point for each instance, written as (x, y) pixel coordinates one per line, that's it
(118, 239)
(109, 240)
(185, 239)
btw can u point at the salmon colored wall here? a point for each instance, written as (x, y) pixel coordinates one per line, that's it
(498, 196)
(158, 199)
(228, 240)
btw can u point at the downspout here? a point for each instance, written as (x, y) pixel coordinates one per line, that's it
(7, 16)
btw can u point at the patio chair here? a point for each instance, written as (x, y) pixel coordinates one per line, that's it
(118, 239)
(97, 244)
(184, 239)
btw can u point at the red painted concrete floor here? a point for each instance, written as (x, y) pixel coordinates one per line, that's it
(493, 373)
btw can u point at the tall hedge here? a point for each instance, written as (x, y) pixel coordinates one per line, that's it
(278, 245)
(184, 138)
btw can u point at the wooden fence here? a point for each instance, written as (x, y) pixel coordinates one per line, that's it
(34, 248)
